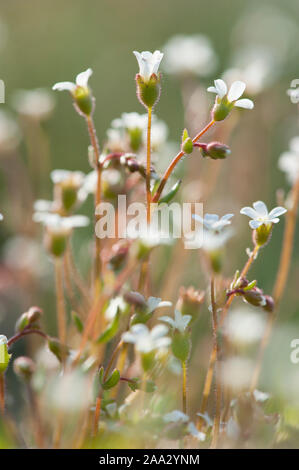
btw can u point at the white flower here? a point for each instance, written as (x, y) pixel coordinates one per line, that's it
(179, 322)
(3, 339)
(148, 63)
(260, 214)
(9, 133)
(244, 326)
(37, 103)
(115, 305)
(56, 223)
(159, 133)
(81, 81)
(289, 161)
(176, 416)
(189, 54)
(1, 216)
(213, 222)
(235, 92)
(62, 176)
(130, 121)
(261, 396)
(145, 340)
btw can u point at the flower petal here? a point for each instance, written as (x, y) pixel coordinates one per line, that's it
(83, 77)
(260, 208)
(212, 89)
(244, 103)
(221, 87)
(255, 223)
(236, 90)
(277, 211)
(249, 211)
(61, 86)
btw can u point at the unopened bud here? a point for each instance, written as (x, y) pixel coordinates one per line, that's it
(24, 368)
(4, 356)
(187, 144)
(190, 301)
(215, 150)
(30, 318)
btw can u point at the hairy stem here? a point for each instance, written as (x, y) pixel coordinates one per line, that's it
(184, 387)
(60, 306)
(216, 427)
(148, 167)
(281, 279)
(175, 161)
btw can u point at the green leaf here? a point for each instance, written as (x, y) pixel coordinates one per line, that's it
(169, 196)
(111, 330)
(77, 321)
(112, 381)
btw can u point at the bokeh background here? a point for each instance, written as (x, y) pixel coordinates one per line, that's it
(42, 43)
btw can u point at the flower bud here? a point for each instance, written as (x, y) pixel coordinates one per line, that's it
(30, 318)
(148, 92)
(4, 356)
(187, 144)
(215, 150)
(24, 368)
(269, 306)
(189, 301)
(119, 255)
(255, 297)
(58, 349)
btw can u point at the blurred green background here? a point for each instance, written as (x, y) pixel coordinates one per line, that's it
(44, 42)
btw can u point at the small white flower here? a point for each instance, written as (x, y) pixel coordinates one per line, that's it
(81, 81)
(3, 339)
(145, 340)
(61, 176)
(244, 326)
(176, 416)
(130, 121)
(235, 92)
(261, 396)
(289, 161)
(1, 216)
(148, 63)
(189, 54)
(37, 103)
(115, 305)
(56, 223)
(260, 215)
(213, 222)
(179, 322)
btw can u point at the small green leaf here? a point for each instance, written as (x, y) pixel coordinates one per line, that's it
(77, 321)
(169, 196)
(111, 330)
(112, 381)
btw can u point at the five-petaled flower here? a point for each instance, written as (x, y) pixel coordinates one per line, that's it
(212, 222)
(260, 215)
(226, 100)
(179, 322)
(148, 63)
(146, 340)
(79, 91)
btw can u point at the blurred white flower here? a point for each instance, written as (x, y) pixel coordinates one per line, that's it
(56, 224)
(74, 177)
(212, 222)
(25, 253)
(232, 96)
(254, 65)
(289, 161)
(159, 134)
(179, 322)
(9, 133)
(237, 373)
(130, 121)
(1, 216)
(70, 392)
(37, 104)
(189, 55)
(260, 215)
(148, 63)
(244, 326)
(146, 340)
(176, 416)
(81, 81)
(261, 396)
(116, 304)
